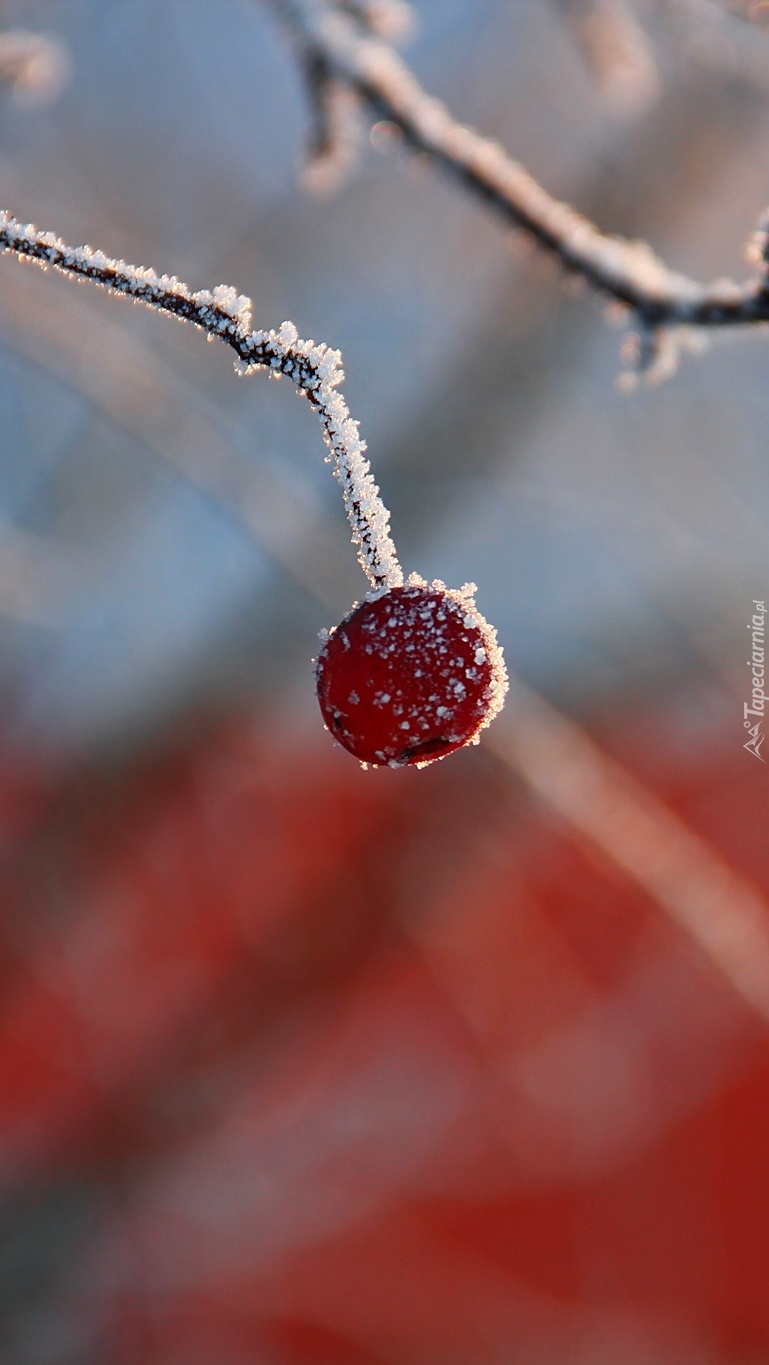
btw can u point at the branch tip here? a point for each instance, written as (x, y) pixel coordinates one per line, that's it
(314, 368)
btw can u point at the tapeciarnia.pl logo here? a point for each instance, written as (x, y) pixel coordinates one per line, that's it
(758, 698)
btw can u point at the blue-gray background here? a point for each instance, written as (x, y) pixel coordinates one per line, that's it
(169, 531)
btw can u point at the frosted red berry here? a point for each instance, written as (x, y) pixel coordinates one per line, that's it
(410, 674)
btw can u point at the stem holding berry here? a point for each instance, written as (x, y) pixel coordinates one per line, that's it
(412, 672)
(315, 368)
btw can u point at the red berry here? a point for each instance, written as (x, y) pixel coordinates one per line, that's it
(410, 674)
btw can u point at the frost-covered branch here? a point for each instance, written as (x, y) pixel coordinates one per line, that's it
(313, 367)
(627, 272)
(335, 134)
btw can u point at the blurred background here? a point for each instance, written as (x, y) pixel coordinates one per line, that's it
(306, 1065)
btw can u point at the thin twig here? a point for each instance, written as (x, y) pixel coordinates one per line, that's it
(132, 387)
(313, 367)
(627, 272)
(334, 137)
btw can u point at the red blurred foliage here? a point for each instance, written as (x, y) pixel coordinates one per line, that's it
(308, 1066)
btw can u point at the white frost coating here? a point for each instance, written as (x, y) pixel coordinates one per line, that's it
(464, 600)
(361, 59)
(238, 306)
(315, 369)
(349, 53)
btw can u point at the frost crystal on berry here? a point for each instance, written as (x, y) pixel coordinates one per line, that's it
(410, 674)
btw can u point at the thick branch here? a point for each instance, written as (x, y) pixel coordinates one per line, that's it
(627, 272)
(314, 369)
